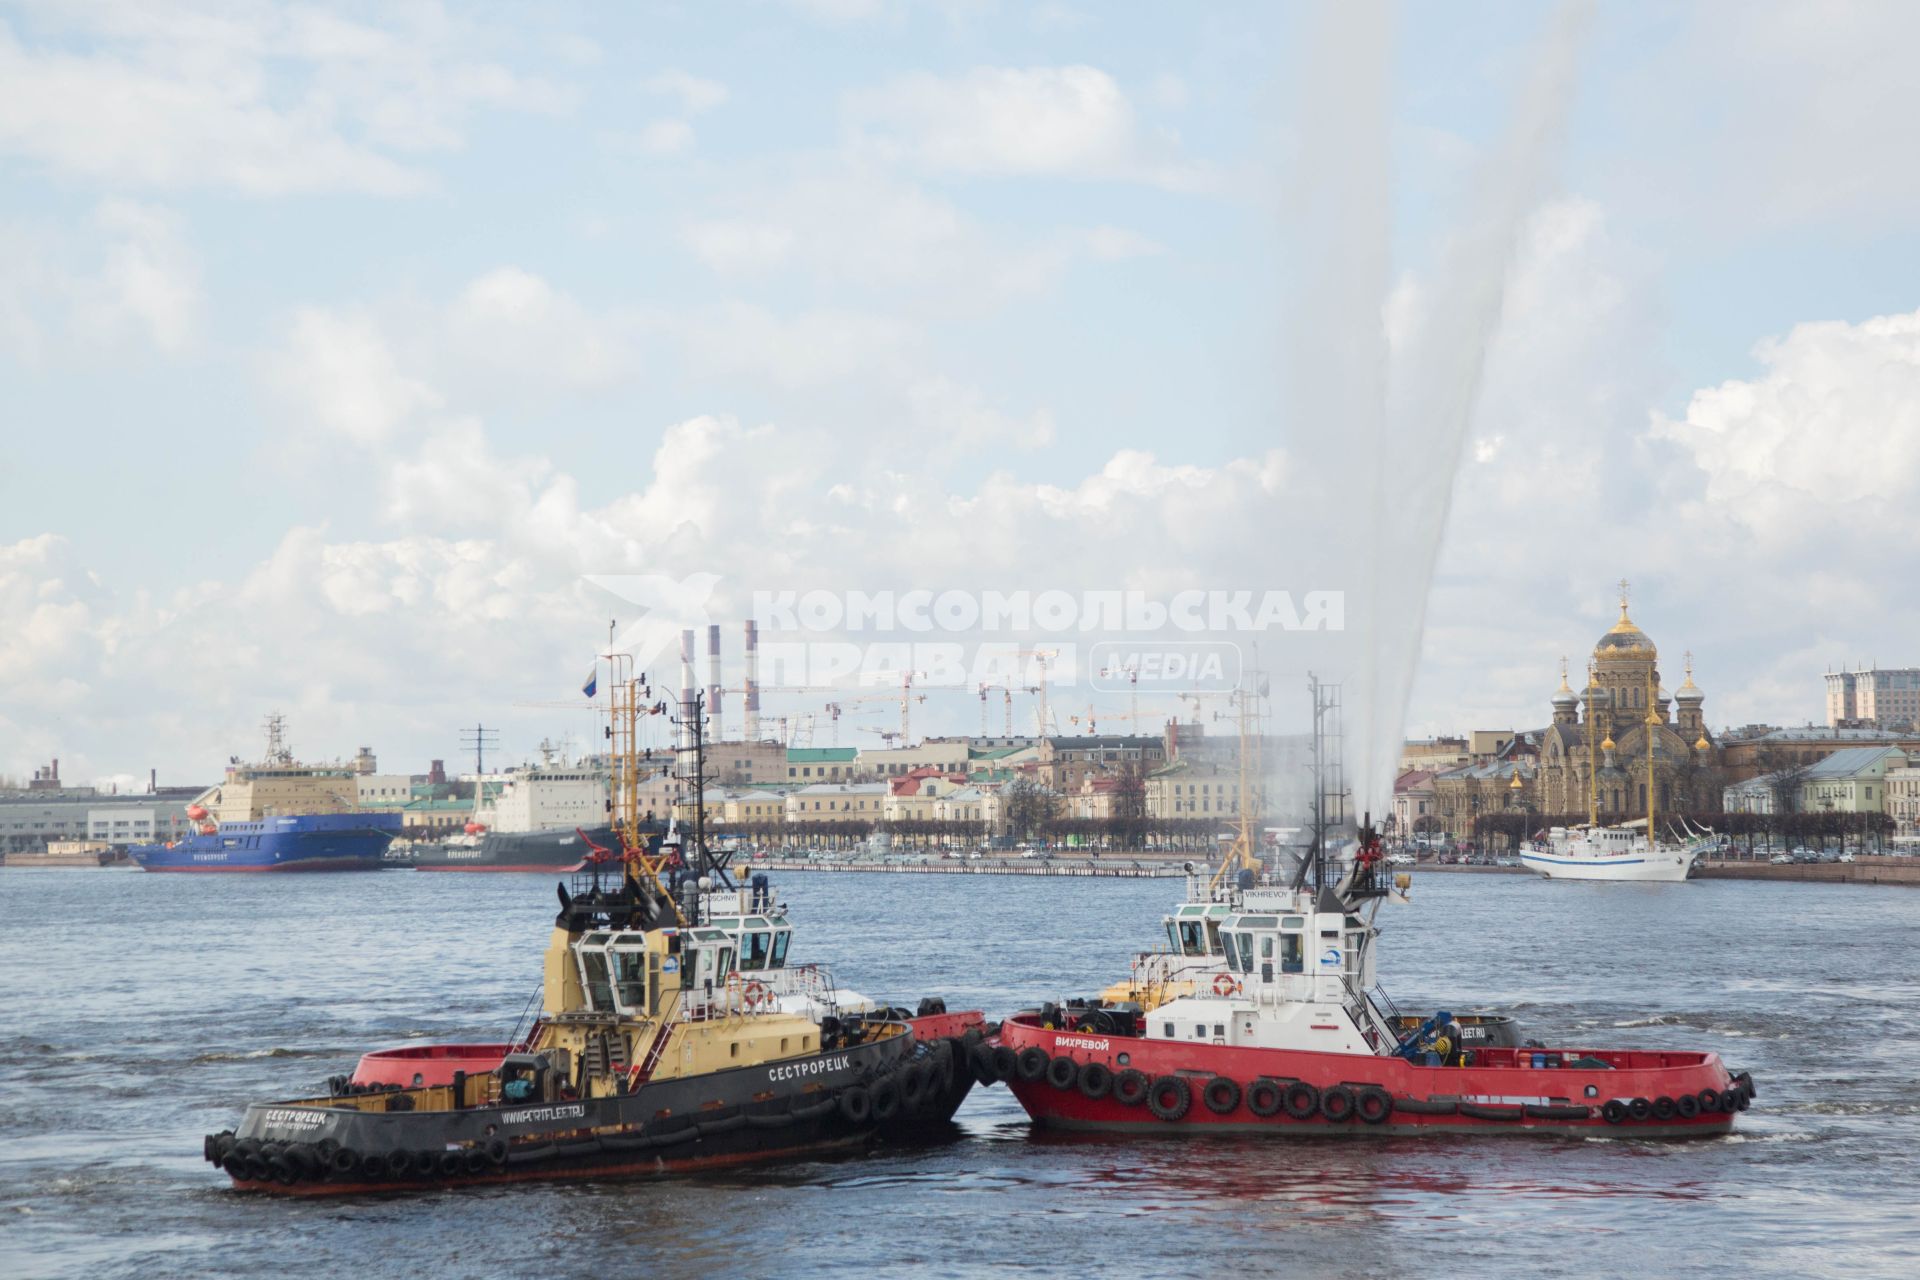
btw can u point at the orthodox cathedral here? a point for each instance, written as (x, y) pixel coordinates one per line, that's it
(1595, 757)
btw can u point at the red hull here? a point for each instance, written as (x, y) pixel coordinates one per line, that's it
(434, 1064)
(1497, 1095)
(546, 868)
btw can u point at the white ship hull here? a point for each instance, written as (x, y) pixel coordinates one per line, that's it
(1659, 866)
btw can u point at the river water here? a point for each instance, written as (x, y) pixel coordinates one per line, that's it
(141, 1011)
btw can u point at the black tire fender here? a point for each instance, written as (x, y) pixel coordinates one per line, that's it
(856, 1104)
(1095, 1080)
(1222, 1095)
(913, 1085)
(1338, 1103)
(1265, 1097)
(1032, 1063)
(1130, 1087)
(1301, 1100)
(1373, 1104)
(980, 1062)
(1063, 1072)
(1169, 1097)
(886, 1098)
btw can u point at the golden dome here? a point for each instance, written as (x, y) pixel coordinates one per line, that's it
(1690, 692)
(1515, 784)
(1623, 636)
(1606, 743)
(1702, 744)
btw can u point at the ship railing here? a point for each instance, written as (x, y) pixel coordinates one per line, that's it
(1381, 1034)
(811, 980)
(524, 1024)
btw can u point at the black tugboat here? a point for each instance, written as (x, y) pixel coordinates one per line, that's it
(652, 1053)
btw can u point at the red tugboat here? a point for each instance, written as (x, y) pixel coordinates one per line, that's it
(1287, 1040)
(1291, 1036)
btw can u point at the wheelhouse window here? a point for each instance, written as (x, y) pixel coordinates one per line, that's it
(756, 949)
(593, 972)
(629, 972)
(781, 938)
(1293, 952)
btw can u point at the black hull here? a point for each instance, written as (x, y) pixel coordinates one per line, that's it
(749, 1114)
(537, 851)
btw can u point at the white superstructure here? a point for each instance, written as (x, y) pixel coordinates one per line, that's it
(1609, 853)
(548, 796)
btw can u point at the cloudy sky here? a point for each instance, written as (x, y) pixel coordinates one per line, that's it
(343, 348)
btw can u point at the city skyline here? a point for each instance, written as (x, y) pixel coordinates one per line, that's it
(343, 350)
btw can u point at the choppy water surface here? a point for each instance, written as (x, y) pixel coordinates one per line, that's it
(141, 1011)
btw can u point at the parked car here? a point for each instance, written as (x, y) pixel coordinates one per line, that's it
(1845, 857)
(1781, 859)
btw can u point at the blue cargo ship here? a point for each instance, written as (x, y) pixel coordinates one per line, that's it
(306, 842)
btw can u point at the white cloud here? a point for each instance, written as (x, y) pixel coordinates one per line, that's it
(663, 137)
(264, 99)
(150, 281)
(1828, 435)
(1071, 121)
(695, 94)
(338, 370)
(853, 225)
(126, 275)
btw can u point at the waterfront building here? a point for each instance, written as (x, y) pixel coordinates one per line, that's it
(1066, 762)
(1186, 788)
(30, 820)
(1431, 755)
(744, 764)
(836, 802)
(967, 804)
(1759, 749)
(1903, 799)
(807, 765)
(913, 798)
(1414, 806)
(1850, 781)
(1462, 795)
(1874, 698)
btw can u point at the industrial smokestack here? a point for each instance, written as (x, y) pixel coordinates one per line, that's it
(687, 688)
(713, 683)
(752, 682)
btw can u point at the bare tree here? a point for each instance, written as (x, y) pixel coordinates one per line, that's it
(1785, 772)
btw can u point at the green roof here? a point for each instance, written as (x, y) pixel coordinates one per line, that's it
(822, 755)
(992, 753)
(455, 805)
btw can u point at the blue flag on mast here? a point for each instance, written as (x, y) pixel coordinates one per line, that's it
(592, 686)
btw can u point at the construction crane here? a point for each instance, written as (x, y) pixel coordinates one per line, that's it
(887, 736)
(1042, 718)
(1006, 691)
(1132, 674)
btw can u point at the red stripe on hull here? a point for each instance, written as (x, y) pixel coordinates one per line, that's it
(550, 867)
(1647, 1075)
(937, 1026)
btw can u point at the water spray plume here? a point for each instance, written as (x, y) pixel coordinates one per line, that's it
(1434, 375)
